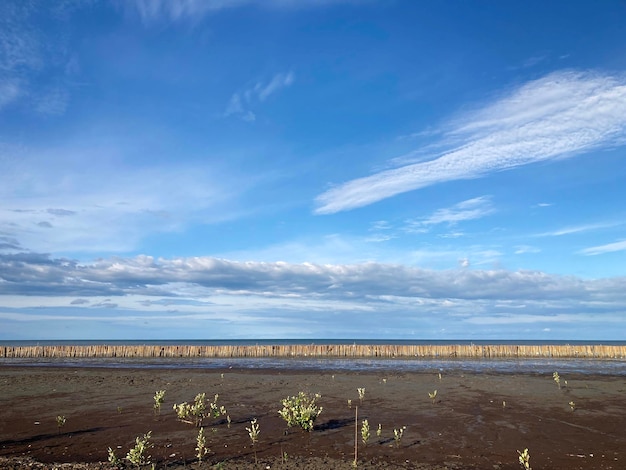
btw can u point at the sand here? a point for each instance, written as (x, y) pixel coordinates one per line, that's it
(477, 420)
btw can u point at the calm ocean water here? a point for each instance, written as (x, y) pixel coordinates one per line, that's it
(541, 366)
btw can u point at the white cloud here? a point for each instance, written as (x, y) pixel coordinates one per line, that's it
(523, 249)
(475, 208)
(578, 229)
(560, 115)
(9, 92)
(32, 57)
(469, 209)
(602, 249)
(151, 11)
(241, 295)
(276, 83)
(89, 202)
(240, 102)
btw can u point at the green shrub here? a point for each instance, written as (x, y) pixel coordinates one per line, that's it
(301, 410)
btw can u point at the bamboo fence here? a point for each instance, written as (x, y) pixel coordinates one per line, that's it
(317, 351)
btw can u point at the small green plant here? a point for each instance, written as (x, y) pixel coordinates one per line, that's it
(201, 448)
(365, 431)
(439, 375)
(112, 458)
(361, 393)
(60, 422)
(137, 455)
(524, 459)
(253, 432)
(196, 413)
(557, 379)
(301, 410)
(228, 420)
(379, 430)
(572, 405)
(159, 398)
(349, 403)
(433, 395)
(397, 435)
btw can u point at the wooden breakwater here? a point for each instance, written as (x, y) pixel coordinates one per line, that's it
(317, 351)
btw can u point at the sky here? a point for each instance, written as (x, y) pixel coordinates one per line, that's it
(306, 169)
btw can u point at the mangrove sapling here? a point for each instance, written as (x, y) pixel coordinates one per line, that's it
(253, 432)
(365, 431)
(433, 396)
(572, 405)
(524, 459)
(137, 455)
(301, 410)
(112, 458)
(557, 379)
(196, 413)
(379, 430)
(397, 435)
(361, 394)
(60, 422)
(159, 398)
(201, 448)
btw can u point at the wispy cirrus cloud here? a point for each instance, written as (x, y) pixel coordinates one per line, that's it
(469, 209)
(557, 116)
(602, 249)
(578, 229)
(33, 60)
(242, 102)
(104, 205)
(474, 208)
(151, 11)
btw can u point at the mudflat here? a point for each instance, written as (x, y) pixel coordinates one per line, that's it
(475, 421)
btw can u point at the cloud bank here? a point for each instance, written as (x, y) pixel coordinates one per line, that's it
(558, 116)
(39, 274)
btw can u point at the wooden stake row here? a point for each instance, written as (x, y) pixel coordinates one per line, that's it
(317, 351)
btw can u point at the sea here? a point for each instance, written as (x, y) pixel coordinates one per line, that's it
(609, 367)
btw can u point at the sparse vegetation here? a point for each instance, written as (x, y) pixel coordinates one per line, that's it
(433, 396)
(253, 432)
(159, 398)
(379, 430)
(112, 458)
(201, 447)
(60, 422)
(557, 379)
(361, 392)
(524, 459)
(397, 435)
(196, 413)
(365, 431)
(137, 454)
(301, 410)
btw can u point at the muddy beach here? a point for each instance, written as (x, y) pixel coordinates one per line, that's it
(477, 420)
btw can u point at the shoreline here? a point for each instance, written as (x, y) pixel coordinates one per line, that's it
(478, 420)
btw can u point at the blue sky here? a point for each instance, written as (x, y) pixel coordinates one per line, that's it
(312, 169)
